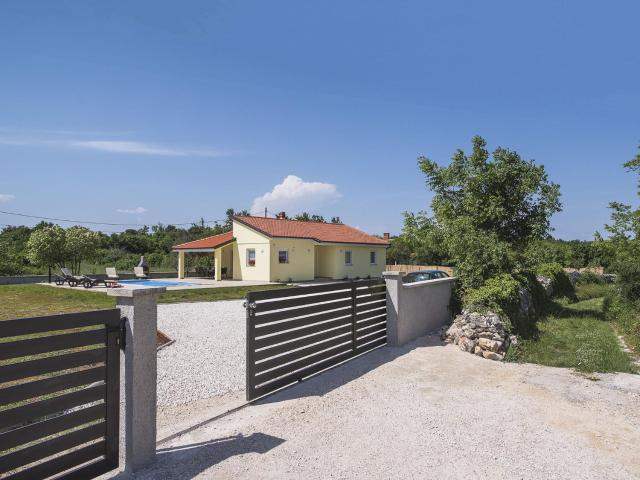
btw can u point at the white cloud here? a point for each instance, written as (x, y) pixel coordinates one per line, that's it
(6, 197)
(140, 148)
(118, 146)
(296, 195)
(137, 210)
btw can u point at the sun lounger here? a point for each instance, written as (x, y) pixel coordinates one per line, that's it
(72, 280)
(139, 272)
(112, 274)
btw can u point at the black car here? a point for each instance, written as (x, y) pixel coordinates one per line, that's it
(422, 275)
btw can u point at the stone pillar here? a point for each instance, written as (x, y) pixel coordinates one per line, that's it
(138, 384)
(394, 292)
(180, 264)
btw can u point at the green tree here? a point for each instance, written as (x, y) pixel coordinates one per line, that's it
(80, 244)
(46, 246)
(490, 208)
(421, 242)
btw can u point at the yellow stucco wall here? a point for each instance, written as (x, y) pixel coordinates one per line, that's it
(331, 261)
(247, 238)
(307, 260)
(301, 264)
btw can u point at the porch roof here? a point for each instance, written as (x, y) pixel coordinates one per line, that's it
(207, 244)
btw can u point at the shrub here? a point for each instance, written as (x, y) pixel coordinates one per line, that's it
(9, 268)
(501, 294)
(562, 286)
(628, 279)
(625, 314)
(588, 277)
(127, 262)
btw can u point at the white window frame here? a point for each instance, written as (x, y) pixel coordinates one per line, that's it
(286, 251)
(254, 257)
(350, 252)
(375, 257)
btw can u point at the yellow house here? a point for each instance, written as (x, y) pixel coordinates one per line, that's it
(281, 250)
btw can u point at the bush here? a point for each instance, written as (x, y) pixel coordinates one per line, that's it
(628, 279)
(625, 315)
(9, 268)
(562, 286)
(588, 277)
(128, 262)
(501, 294)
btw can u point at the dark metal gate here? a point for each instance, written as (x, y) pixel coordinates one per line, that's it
(59, 395)
(296, 332)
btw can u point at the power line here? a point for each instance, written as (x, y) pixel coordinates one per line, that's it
(91, 222)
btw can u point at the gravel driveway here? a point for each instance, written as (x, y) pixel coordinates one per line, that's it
(424, 411)
(208, 356)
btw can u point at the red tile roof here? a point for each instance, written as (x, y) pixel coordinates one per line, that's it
(320, 232)
(209, 242)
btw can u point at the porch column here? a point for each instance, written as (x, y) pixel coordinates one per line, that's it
(217, 263)
(180, 264)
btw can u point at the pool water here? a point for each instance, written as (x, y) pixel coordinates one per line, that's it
(155, 283)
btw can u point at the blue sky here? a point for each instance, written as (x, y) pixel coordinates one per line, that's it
(172, 111)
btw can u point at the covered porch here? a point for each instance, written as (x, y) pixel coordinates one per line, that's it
(219, 247)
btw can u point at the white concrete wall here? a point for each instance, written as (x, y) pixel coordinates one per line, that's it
(414, 309)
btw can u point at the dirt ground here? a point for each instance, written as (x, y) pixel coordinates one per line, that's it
(422, 411)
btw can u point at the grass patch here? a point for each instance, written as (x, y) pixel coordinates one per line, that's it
(625, 315)
(575, 335)
(20, 301)
(593, 290)
(213, 294)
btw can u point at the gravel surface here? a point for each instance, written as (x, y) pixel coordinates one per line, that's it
(208, 356)
(421, 411)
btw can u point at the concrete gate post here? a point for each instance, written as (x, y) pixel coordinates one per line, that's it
(138, 388)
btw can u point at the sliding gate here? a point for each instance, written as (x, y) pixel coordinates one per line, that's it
(59, 395)
(296, 332)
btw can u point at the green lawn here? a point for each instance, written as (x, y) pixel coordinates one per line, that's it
(19, 301)
(576, 335)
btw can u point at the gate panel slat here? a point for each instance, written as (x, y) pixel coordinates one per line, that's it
(303, 342)
(372, 313)
(289, 357)
(298, 291)
(296, 334)
(371, 306)
(298, 312)
(294, 377)
(299, 322)
(46, 386)
(32, 368)
(34, 431)
(301, 301)
(370, 346)
(65, 462)
(371, 297)
(32, 411)
(371, 321)
(377, 323)
(50, 447)
(22, 348)
(263, 376)
(362, 340)
(50, 323)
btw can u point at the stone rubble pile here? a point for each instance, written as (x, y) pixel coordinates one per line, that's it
(483, 334)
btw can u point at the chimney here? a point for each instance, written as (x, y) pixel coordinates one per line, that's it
(281, 215)
(386, 236)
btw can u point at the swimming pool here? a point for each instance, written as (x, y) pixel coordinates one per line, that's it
(155, 283)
